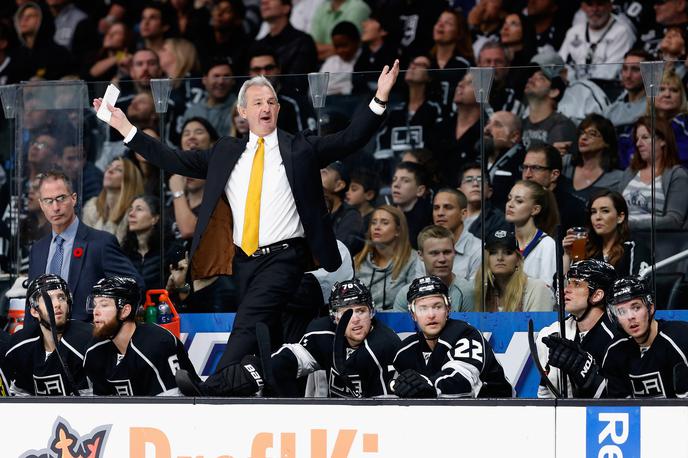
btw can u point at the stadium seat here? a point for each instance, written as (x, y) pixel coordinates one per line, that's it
(678, 299)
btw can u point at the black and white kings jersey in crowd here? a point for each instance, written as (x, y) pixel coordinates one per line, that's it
(462, 363)
(368, 366)
(29, 370)
(632, 371)
(147, 368)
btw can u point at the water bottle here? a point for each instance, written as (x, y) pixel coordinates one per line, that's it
(164, 313)
(151, 314)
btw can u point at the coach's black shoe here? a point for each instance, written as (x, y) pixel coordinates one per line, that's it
(187, 384)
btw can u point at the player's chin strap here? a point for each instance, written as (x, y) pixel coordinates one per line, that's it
(51, 315)
(340, 351)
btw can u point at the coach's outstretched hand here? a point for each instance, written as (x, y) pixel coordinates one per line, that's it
(118, 120)
(386, 81)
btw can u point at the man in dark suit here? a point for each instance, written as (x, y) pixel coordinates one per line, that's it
(78, 253)
(263, 215)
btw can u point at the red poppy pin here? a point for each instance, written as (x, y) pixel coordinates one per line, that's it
(78, 252)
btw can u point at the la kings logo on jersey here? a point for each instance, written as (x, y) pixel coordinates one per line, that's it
(648, 385)
(339, 389)
(49, 385)
(122, 387)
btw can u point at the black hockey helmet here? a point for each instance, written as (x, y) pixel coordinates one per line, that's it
(598, 274)
(628, 288)
(429, 285)
(350, 292)
(47, 282)
(124, 290)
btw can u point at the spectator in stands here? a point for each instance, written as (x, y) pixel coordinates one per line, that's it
(631, 103)
(121, 182)
(74, 164)
(187, 193)
(346, 42)
(112, 60)
(410, 123)
(387, 261)
(216, 106)
(73, 28)
(593, 47)
(44, 154)
(533, 212)
(543, 91)
(470, 181)
(454, 139)
(33, 225)
(506, 86)
(347, 222)
(593, 163)
(293, 48)
(666, 14)
(191, 20)
(417, 19)
(362, 192)
(543, 165)
(673, 50)
(46, 59)
(485, 20)
(328, 15)
(518, 37)
(142, 243)
(296, 110)
(609, 237)
(145, 65)
(228, 36)
(671, 104)
(239, 127)
(451, 53)
(671, 179)
(157, 21)
(379, 47)
(149, 172)
(409, 194)
(550, 21)
(426, 159)
(12, 69)
(504, 154)
(448, 211)
(508, 287)
(436, 251)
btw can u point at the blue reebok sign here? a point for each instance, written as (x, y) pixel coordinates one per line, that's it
(612, 432)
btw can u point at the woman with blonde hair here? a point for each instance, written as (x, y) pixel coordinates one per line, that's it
(532, 210)
(387, 262)
(179, 59)
(509, 288)
(122, 181)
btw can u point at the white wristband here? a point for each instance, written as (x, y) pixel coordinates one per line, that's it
(130, 135)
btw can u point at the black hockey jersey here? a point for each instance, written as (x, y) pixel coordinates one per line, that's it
(462, 363)
(147, 368)
(368, 367)
(632, 373)
(29, 371)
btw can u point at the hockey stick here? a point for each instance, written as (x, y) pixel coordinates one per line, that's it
(340, 351)
(536, 360)
(51, 315)
(560, 299)
(263, 337)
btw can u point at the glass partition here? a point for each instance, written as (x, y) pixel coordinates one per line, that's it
(432, 119)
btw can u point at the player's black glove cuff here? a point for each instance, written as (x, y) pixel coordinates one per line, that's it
(411, 384)
(243, 379)
(570, 357)
(681, 380)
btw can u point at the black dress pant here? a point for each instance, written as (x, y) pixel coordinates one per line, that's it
(266, 285)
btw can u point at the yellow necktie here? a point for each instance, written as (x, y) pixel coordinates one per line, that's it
(249, 239)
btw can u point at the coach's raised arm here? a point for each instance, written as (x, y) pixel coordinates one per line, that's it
(263, 215)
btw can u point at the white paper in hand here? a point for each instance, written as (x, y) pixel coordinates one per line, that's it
(110, 97)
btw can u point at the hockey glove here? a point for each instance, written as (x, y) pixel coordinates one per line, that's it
(570, 357)
(410, 384)
(243, 379)
(681, 380)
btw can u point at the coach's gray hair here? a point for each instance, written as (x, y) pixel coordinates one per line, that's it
(255, 81)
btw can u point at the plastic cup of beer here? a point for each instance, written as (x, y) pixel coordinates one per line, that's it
(578, 246)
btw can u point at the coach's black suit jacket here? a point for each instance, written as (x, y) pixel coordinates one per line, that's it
(303, 154)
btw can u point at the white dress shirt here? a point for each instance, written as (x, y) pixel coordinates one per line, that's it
(279, 219)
